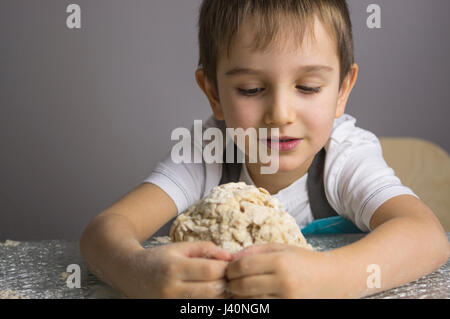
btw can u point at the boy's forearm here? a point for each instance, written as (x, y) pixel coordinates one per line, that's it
(398, 251)
(105, 246)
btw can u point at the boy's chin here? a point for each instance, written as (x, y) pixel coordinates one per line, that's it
(291, 163)
(284, 166)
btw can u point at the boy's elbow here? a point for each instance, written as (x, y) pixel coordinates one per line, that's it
(446, 252)
(86, 237)
(445, 255)
(438, 238)
(443, 249)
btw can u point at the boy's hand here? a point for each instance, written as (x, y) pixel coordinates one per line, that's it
(279, 271)
(179, 270)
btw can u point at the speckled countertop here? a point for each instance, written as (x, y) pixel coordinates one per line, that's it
(38, 270)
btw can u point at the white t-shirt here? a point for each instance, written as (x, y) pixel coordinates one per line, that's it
(357, 179)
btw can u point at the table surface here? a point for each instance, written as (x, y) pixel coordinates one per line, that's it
(38, 270)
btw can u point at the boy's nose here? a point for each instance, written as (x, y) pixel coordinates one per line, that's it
(280, 112)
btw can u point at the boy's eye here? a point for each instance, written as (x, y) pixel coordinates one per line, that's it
(309, 90)
(252, 92)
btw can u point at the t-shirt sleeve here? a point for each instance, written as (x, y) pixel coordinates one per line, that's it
(183, 182)
(188, 182)
(357, 178)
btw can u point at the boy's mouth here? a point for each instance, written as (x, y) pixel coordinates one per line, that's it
(282, 143)
(282, 138)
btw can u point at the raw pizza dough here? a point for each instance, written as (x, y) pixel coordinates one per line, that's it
(237, 215)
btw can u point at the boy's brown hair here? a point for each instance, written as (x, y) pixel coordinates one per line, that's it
(219, 21)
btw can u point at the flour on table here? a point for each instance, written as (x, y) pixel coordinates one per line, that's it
(10, 243)
(237, 215)
(10, 294)
(65, 275)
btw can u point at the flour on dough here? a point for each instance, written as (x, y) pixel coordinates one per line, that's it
(237, 215)
(161, 240)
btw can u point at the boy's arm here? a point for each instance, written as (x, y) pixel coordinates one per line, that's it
(111, 248)
(407, 242)
(118, 231)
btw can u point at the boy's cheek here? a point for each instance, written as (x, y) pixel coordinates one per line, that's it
(318, 123)
(243, 116)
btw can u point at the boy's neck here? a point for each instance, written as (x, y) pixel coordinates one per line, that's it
(273, 183)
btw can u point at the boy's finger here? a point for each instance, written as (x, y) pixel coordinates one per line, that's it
(205, 290)
(253, 285)
(264, 297)
(258, 249)
(204, 249)
(251, 265)
(255, 297)
(200, 269)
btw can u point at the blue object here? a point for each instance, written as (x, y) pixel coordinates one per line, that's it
(331, 225)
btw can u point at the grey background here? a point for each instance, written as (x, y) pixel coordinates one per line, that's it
(86, 114)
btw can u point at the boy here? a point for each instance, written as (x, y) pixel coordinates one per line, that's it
(287, 65)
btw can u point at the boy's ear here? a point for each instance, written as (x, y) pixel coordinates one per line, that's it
(347, 86)
(210, 93)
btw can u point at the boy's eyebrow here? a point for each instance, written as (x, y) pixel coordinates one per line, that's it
(304, 68)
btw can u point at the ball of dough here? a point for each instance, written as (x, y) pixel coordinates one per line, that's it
(237, 215)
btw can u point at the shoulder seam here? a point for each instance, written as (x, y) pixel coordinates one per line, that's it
(363, 207)
(186, 195)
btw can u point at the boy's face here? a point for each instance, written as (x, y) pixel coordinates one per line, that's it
(279, 94)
